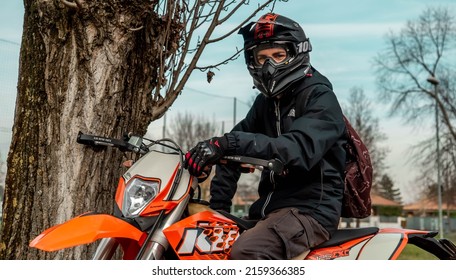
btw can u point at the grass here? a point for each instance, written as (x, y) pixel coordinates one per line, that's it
(412, 252)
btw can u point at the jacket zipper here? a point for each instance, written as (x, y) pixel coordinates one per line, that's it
(277, 113)
(271, 175)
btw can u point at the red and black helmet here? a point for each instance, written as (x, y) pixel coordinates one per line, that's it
(273, 30)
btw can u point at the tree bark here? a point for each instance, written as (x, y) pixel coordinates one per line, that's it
(99, 67)
(84, 69)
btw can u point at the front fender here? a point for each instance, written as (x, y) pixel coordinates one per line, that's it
(84, 229)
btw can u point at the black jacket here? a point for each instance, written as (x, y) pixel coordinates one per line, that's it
(310, 145)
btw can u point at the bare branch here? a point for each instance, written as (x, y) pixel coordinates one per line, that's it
(260, 8)
(403, 65)
(446, 118)
(76, 5)
(187, 40)
(234, 10)
(69, 4)
(136, 28)
(416, 52)
(202, 15)
(231, 58)
(200, 49)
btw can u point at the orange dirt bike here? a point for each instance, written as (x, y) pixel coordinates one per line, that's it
(158, 215)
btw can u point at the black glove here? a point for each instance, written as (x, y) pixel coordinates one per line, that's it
(205, 153)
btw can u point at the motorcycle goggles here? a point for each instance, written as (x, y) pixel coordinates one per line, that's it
(256, 58)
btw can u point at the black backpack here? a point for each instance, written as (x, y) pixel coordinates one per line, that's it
(356, 202)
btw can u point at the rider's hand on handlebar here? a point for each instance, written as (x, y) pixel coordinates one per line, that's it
(205, 153)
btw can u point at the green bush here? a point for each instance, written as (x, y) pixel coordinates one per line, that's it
(388, 211)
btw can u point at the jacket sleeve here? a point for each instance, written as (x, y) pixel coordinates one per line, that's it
(224, 184)
(310, 136)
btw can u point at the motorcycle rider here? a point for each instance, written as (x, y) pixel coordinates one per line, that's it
(300, 208)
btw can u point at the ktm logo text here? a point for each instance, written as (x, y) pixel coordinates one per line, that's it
(208, 238)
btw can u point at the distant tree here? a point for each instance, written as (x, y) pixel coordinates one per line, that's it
(387, 189)
(359, 112)
(428, 186)
(425, 153)
(424, 48)
(449, 191)
(248, 185)
(187, 129)
(447, 90)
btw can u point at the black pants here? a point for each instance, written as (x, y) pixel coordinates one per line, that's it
(282, 234)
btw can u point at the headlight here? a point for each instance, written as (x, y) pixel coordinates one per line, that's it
(138, 193)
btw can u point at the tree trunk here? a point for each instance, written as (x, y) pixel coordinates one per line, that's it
(87, 69)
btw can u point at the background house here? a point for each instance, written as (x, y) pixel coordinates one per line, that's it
(385, 213)
(423, 214)
(429, 207)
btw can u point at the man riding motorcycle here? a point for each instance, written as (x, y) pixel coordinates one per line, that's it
(301, 207)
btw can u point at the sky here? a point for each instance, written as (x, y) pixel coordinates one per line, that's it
(345, 35)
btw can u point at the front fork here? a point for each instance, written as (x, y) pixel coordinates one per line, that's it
(158, 243)
(106, 249)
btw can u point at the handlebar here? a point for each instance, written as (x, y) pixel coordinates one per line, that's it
(274, 165)
(135, 144)
(129, 143)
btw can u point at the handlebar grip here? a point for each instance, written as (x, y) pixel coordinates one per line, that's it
(91, 140)
(85, 139)
(274, 165)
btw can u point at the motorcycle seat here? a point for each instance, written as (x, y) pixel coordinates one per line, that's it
(346, 234)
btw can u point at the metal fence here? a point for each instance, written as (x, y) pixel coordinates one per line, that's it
(430, 223)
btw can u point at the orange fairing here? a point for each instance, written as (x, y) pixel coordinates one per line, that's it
(82, 230)
(119, 192)
(404, 240)
(331, 253)
(160, 202)
(203, 236)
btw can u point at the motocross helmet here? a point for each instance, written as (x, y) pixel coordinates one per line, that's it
(273, 78)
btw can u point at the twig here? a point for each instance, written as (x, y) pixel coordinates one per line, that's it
(136, 28)
(231, 58)
(260, 8)
(69, 4)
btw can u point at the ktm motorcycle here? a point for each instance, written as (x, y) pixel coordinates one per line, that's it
(159, 215)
